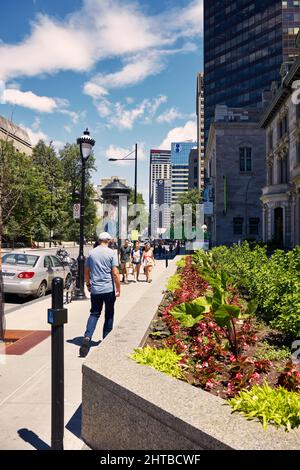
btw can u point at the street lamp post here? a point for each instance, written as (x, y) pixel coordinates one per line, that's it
(135, 167)
(86, 143)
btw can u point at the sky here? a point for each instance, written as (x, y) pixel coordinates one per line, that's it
(126, 69)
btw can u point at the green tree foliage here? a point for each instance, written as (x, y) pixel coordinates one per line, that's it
(192, 197)
(139, 213)
(37, 193)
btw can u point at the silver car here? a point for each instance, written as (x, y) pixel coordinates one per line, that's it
(32, 273)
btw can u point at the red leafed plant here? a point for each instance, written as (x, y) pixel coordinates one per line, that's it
(290, 377)
(245, 372)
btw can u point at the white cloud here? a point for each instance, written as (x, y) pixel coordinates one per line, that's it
(35, 136)
(122, 117)
(139, 68)
(99, 30)
(180, 134)
(29, 100)
(170, 115)
(68, 129)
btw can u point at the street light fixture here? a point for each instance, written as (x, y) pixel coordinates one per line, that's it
(135, 168)
(86, 144)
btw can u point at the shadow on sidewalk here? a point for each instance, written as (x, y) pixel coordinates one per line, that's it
(33, 439)
(78, 340)
(74, 424)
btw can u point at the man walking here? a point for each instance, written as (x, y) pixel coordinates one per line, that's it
(125, 253)
(103, 281)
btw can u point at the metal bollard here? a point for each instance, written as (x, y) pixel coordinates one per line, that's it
(57, 317)
(167, 260)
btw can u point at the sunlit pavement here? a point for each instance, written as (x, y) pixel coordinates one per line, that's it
(25, 393)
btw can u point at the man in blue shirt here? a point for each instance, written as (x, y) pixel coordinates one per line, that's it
(103, 282)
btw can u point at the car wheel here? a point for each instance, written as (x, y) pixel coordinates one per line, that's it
(41, 292)
(68, 281)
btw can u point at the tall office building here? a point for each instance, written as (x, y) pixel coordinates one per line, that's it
(199, 181)
(180, 152)
(159, 187)
(245, 44)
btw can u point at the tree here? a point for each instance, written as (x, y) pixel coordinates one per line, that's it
(140, 212)
(71, 164)
(14, 169)
(192, 197)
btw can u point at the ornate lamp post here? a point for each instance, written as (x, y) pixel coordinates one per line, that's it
(86, 143)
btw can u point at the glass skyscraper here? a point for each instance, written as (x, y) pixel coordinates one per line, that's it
(245, 44)
(180, 152)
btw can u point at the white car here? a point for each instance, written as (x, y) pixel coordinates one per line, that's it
(32, 273)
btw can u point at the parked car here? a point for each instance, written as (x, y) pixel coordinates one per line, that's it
(31, 273)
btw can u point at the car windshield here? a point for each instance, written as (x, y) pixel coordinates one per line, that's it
(20, 259)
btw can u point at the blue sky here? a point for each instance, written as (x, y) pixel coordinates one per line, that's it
(124, 68)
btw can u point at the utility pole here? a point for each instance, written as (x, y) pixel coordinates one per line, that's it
(135, 175)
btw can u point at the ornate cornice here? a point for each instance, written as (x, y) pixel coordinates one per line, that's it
(282, 148)
(283, 111)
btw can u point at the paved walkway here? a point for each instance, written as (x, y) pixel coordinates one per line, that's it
(25, 392)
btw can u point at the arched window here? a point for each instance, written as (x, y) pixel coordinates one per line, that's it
(245, 159)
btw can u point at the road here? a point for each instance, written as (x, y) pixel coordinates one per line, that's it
(13, 302)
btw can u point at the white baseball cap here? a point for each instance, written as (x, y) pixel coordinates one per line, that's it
(104, 236)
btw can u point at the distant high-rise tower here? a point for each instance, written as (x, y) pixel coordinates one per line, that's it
(180, 152)
(159, 187)
(200, 132)
(245, 44)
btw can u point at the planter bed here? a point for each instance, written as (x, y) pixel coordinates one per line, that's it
(129, 406)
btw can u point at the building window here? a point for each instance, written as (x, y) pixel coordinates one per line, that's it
(283, 171)
(270, 140)
(245, 159)
(285, 124)
(280, 129)
(270, 175)
(238, 225)
(253, 225)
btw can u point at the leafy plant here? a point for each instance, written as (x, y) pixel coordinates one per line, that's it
(244, 373)
(165, 360)
(180, 263)
(270, 406)
(174, 283)
(190, 313)
(272, 353)
(272, 281)
(290, 377)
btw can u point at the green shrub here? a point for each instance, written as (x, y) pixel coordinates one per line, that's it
(274, 282)
(181, 263)
(278, 407)
(272, 353)
(173, 283)
(165, 360)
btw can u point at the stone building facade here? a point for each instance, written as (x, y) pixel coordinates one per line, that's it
(281, 191)
(234, 164)
(16, 134)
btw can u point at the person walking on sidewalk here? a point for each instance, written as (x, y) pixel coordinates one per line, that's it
(148, 261)
(125, 253)
(136, 257)
(103, 282)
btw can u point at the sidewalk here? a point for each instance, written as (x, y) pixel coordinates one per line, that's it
(25, 392)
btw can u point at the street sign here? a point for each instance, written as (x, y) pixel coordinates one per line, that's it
(76, 211)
